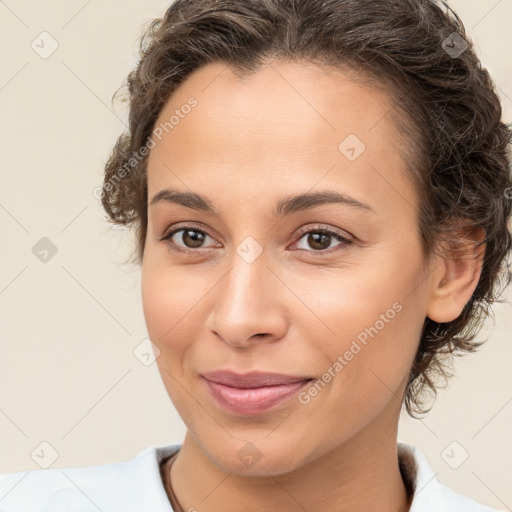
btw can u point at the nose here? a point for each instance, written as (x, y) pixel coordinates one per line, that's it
(249, 304)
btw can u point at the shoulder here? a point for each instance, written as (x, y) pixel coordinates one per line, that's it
(129, 486)
(429, 494)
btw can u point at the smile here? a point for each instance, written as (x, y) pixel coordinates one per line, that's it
(254, 400)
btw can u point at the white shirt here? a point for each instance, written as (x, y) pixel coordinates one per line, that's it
(136, 486)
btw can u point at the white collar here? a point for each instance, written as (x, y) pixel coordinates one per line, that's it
(429, 495)
(136, 486)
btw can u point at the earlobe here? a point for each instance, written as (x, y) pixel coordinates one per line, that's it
(456, 277)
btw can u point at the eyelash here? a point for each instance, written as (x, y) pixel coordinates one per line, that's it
(320, 229)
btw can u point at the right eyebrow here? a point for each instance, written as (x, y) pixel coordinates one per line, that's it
(188, 199)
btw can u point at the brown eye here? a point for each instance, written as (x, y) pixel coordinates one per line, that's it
(320, 240)
(186, 238)
(192, 238)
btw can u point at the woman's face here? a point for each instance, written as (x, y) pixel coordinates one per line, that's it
(255, 284)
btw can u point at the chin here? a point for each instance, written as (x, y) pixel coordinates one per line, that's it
(260, 458)
(262, 468)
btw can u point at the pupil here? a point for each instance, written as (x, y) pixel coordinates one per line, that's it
(196, 238)
(315, 239)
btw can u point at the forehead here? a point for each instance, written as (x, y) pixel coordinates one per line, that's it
(281, 126)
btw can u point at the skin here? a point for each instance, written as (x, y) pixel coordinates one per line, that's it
(296, 307)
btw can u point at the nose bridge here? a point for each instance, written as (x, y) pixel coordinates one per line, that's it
(247, 303)
(248, 274)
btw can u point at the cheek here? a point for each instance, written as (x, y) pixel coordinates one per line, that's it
(168, 312)
(156, 300)
(164, 301)
(371, 328)
(345, 305)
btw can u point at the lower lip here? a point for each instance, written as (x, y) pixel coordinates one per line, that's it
(255, 400)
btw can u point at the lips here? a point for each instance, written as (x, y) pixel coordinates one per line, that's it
(252, 393)
(252, 379)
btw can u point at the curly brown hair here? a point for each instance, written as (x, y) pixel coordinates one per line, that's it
(445, 104)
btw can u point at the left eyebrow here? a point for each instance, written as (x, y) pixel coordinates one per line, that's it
(300, 202)
(284, 206)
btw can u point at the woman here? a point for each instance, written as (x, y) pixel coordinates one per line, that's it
(320, 193)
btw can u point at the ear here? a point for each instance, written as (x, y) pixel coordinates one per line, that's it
(456, 276)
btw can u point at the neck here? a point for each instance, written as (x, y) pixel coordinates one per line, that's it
(359, 475)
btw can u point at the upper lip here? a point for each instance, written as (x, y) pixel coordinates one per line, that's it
(251, 380)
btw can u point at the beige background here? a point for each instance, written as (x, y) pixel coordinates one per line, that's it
(68, 375)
